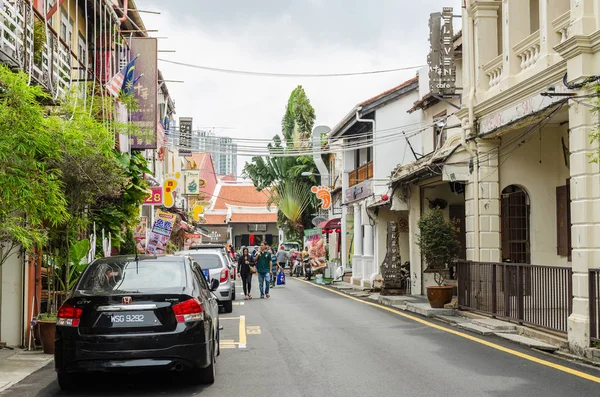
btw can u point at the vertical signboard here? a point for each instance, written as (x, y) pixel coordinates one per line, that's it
(145, 92)
(191, 181)
(185, 136)
(442, 68)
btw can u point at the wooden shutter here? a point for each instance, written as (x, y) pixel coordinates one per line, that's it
(562, 220)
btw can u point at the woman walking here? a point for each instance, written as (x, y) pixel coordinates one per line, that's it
(245, 265)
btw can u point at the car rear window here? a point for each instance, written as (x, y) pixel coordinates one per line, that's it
(129, 276)
(208, 261)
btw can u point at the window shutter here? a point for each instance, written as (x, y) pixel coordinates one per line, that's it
(562, 221)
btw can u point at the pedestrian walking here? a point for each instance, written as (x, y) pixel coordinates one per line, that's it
(274, 267)
(281, 259)
(263, 267)
(246, 268)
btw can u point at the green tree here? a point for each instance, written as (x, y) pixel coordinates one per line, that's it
(282, 176)
(31, 195)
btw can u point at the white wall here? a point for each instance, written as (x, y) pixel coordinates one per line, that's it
(387, 156)
(11, 311)
(242, 228)
(539, 180)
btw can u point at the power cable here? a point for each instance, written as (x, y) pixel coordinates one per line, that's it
(272, 74)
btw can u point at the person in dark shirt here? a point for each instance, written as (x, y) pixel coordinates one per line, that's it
(244, 262)
(263, 266)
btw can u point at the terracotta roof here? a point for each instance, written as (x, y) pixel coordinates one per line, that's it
(389, 91)
(215, 219)
(227, 178)
(240, 195)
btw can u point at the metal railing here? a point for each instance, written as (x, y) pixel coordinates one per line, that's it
(529, 294)
(595, 305)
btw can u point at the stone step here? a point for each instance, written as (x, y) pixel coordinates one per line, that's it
(425, 309)
(495, 325)
(392, 300)
(452, 319)
(475, 328)
(529, 342)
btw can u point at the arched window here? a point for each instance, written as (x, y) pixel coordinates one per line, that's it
(515, 225)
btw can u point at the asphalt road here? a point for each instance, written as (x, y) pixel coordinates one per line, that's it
(307, 341)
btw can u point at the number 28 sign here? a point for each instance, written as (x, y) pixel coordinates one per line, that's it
(155, 197)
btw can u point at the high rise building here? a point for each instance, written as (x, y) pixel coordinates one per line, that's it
(224, 155)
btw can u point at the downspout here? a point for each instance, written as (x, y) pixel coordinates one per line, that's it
(471, 128)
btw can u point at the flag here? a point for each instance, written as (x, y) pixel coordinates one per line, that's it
(122, 81)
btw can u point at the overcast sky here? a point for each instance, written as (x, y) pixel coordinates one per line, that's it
(285, 36)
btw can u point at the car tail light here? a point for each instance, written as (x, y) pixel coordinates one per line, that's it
(68, 315)
(189, 310)
(224, 275)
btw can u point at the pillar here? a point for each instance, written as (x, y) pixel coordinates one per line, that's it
(489, 201)
(515, 30)
(414, 214)
(357, 262)
(368, 260)
(485, 14)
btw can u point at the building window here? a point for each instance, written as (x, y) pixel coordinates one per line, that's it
(515, 225)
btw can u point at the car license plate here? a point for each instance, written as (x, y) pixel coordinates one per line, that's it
(130, 319)
(206, 274)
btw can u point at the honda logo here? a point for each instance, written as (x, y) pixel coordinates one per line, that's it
(126, 300)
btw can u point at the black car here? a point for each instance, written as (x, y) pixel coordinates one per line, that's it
(130, 313)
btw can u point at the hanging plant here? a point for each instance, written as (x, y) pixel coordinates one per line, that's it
(39, 40)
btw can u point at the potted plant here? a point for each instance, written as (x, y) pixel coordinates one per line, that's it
(439, 247)
(67, 276)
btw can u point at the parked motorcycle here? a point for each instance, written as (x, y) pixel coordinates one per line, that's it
(307, 269)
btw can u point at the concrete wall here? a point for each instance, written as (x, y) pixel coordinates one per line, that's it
(11, 309)
(390, 120)
(538, 167)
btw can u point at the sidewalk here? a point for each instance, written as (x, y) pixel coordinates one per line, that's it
(473, 323)
(17, 364)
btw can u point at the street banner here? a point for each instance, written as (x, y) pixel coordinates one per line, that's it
(140, 234)
(145, 92)
(160, 233)
(191, 182)
(192, 239)
(185, 136)
(316, 248)
(155, 197)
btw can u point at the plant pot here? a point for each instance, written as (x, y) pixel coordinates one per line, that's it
(438, 296)
(47, 333)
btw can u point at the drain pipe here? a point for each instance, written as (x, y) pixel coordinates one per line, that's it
(471, 129)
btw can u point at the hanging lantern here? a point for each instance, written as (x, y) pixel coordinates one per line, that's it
(385, 197)
(338, 230)
(323, 231)
(330, 231)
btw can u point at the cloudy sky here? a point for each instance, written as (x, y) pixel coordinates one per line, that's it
(285, 36)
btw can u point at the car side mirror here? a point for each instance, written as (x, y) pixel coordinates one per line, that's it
(214, 284)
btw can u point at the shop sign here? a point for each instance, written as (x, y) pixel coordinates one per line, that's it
(155, 197)
(160, 233)
(360, 191)
(185, 136)
(442, 67)
(191, 182)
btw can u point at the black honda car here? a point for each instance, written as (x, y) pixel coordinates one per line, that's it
(130, 314)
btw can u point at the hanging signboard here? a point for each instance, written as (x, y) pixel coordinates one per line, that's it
(160, 233)
(323, 193)
(185, 136)
(140, 234)
(155, 197)
(442, 68)
(191, 182)
(145, 91)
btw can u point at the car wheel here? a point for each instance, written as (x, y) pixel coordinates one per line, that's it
(233, 294)
(218, 342)
(66, 381)
(206, 375)
(228, 306)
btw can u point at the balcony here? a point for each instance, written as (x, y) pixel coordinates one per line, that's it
(361, 174)
(51, 69)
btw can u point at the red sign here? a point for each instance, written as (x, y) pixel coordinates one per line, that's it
(156, 197)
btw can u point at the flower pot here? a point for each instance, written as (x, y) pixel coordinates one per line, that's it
(47, 332)
(438, 296)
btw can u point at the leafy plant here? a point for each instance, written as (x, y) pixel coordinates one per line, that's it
(76, 264)
(39, 39)
(47, 316)
(438, 243)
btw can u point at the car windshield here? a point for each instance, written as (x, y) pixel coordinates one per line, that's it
(207, 260)
(129, 276)
(290, 246)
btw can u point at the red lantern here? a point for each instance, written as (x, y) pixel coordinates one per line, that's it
(338, 230)
(323, 231)
(385, 197)
(330, 231)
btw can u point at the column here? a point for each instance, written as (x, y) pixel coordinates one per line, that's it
(357, 262)
(368, 260)
(489, 201)
(485, 14)
(414, 208)
(585, 220)
(516, 30)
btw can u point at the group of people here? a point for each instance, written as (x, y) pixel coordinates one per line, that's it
(266, 263)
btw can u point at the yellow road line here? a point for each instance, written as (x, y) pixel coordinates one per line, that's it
(467, 336)
(242, 343)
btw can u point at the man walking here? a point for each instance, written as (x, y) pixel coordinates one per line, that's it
(263, 267)
(281, 259)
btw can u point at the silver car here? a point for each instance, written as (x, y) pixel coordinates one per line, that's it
(215, 265)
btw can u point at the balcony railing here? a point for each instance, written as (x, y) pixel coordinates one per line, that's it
(52, 69)
(493, 70)
(361, 174)
(528, 50)
(532, 294)
(561, 26)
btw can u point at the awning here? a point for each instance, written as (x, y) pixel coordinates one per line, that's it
(379, 203)
(334, 223)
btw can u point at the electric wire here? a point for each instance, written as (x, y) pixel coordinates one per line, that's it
(273, 74)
